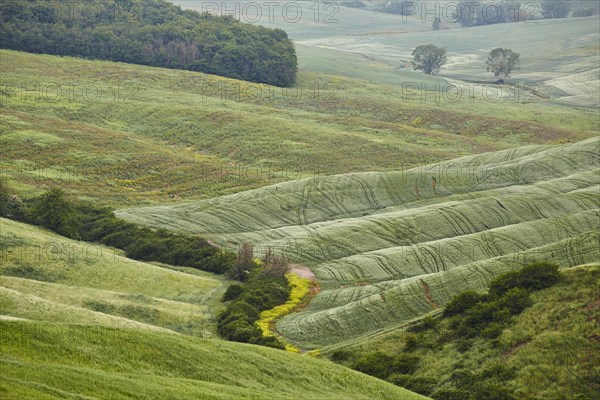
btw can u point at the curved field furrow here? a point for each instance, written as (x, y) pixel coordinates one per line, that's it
(354, 318)
(476, 172)
(416, 260)
(389, 247)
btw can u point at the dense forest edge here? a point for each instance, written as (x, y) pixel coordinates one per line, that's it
(151, 32)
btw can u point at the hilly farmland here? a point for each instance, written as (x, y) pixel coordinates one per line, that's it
(282, 205)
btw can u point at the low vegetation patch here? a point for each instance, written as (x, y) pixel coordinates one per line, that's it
(299, 288)
(259, 299)
(470, 326)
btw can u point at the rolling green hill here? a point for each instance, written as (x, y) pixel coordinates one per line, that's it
(391, 247)
(396, 198)
(76, 282)
(126, 134)
(81, 321)
(550, 351)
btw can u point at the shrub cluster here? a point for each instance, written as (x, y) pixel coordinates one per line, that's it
(150, 32)
(264, 287)
(486, 315)
(299, 288)
(383, 365)
(82, 221)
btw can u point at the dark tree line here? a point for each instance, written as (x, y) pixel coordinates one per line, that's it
(91, 223)
(150, 32)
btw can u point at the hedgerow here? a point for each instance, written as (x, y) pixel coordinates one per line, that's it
(91, 223)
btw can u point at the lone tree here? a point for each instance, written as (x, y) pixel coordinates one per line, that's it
(502, 62)
(555, 8)
(429, 59)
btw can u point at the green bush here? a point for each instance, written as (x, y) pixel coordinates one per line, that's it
(423, 325)
(376, 364)
(11, 206)
(240, 330)
(52, 210)
(341, 356)
(421, 385)
(82, 221)
(405, 364)
(531, 277)
(491, 390)
(382, 365)
(411, 342)
(261, 292)
(463, 302)
(451, 394)
(233, 292)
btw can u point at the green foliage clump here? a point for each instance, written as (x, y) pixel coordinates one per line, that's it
(377, 364)
(424, 324)
(52, 210)
(487, 384)
(487, 318)
(154, 33)
(462, 302)
(485, 315)
(263, 288)
(501, 62)
(429, 58)
(532, 277)
(341, 356)
(383, 365)
(233, 292)
(11, 206)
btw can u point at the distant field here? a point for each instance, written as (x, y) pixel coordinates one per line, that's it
(391, 247)
(559, 57)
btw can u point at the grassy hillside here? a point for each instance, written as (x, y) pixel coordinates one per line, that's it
(391, 247)
(550, 351)
(54, 361)
(126, 134)
(80, 321)
(77, 282)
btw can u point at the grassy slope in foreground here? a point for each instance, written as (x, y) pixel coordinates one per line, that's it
(55, 361)
(79, 321)
(553, 345)
(391, 247)
(47, 277)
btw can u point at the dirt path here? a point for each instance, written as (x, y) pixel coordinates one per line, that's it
(428, 297)
(303, 272)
